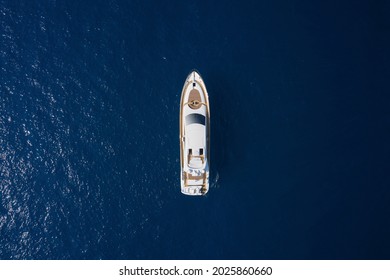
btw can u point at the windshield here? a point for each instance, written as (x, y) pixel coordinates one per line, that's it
(195, 118)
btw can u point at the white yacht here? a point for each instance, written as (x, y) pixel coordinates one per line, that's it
(194, 136)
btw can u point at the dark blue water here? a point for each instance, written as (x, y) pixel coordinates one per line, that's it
(89, 129)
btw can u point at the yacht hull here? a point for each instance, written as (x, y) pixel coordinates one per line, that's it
(194, 136)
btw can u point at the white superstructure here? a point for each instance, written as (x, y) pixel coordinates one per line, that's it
(194, 136)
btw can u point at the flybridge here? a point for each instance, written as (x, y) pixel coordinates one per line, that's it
(194, 136)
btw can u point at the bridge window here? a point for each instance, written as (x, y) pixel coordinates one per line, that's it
(195, 118)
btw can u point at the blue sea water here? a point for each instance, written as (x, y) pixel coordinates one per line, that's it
(89, 129)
